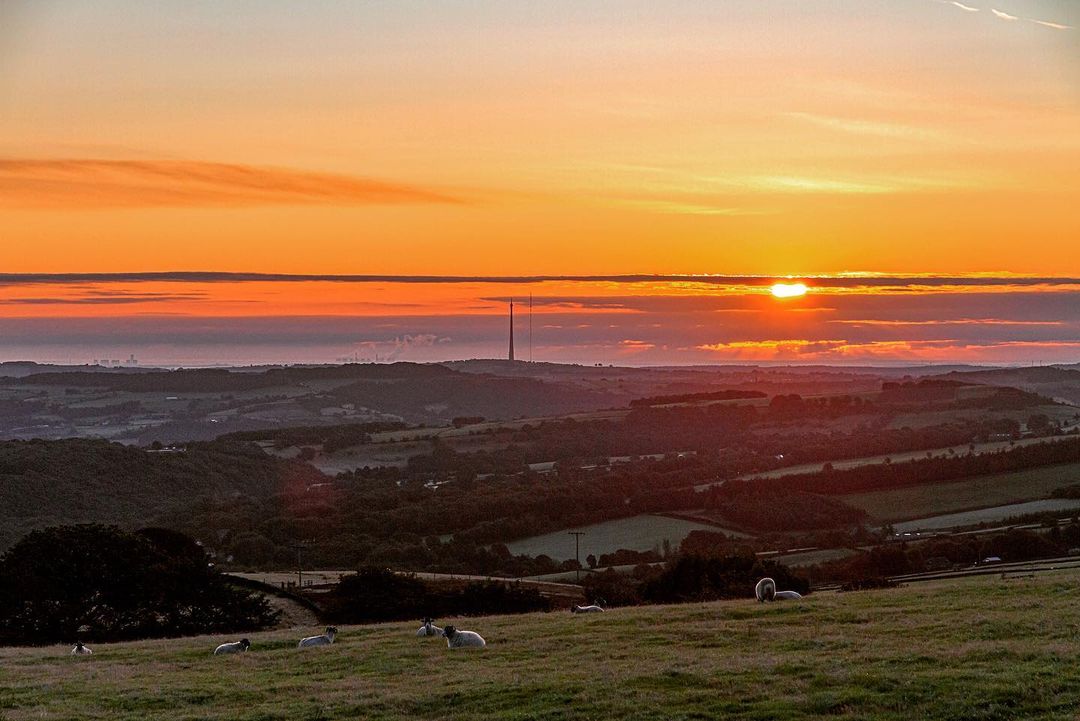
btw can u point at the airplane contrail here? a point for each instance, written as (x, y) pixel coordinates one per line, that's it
(1056, 26)
(1006, 16)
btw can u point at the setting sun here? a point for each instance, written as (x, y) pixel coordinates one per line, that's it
(789, 290)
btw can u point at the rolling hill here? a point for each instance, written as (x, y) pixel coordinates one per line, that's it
(1050, 381)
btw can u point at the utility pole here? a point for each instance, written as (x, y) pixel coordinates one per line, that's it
(299, 564)
(577, 551)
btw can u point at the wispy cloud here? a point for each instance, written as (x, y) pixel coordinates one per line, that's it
(787, 346)
(680, 207)
(630, 345)
(853, 185)
(1003, 15)
(95, 183)
(962, 6)
(867, 127)
(891, 350)
(956, 321)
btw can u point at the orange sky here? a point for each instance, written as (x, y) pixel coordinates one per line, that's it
(483, 138)
(493, 138)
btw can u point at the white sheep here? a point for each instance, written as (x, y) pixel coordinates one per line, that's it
(586, 609)
(462, 639)
(237, 647)
(80, 650)
(765, 590)
(325, 640)
(429, 629)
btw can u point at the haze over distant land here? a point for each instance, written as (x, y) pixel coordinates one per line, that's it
(208, 319)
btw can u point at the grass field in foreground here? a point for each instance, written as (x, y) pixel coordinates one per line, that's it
(981, 648)
(932, 499)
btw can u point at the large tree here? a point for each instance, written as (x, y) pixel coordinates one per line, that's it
(100, 583)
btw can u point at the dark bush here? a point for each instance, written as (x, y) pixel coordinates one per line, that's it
(704, 578)
(616, 589)
(379, 594)
(868, 584)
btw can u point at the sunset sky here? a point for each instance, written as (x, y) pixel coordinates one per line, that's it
(915, 162)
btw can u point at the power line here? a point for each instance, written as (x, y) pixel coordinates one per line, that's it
(299, 563)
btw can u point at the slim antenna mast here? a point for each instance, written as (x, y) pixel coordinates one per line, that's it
(530, 327)
(511, 354)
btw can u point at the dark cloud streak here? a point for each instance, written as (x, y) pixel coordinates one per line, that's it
(734, 280)
(102, 300)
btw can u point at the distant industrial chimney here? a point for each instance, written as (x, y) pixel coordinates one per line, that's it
(511, 329)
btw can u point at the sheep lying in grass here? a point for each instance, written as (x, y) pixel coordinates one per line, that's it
(462, 639)
(765, 590)
(586, 609)
(80, 650)
(237, 647)
(429, 629)
(325, 640)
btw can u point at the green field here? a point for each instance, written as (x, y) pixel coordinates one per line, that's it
(901, 504)
(1059, 507)
(979, 648)
(637, 533)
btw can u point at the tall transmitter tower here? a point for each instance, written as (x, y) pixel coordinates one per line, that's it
(511, 329)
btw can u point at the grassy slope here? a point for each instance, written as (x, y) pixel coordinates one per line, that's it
(901, 504)
(976, 648)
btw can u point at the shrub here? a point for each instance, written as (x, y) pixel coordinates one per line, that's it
(379, 594)
(704, 578)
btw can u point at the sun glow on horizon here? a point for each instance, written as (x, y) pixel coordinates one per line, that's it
(789, 290)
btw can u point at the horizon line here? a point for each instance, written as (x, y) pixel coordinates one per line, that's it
(789, 362)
